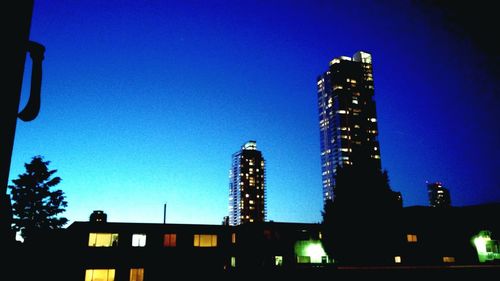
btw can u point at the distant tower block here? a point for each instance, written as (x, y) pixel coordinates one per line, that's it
(247, 192)
(438, 195)
(347, 117)
(98, 216)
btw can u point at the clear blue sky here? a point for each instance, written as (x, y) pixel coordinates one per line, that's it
(143, 102)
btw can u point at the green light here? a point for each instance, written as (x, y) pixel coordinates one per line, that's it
(310, 251)
(487, 249)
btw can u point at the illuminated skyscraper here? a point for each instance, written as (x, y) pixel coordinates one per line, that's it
(247, 193)
(438, 195)
(347, 117)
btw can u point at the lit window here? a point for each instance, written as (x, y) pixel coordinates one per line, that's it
(103, 239)
(139, 240)
(233, 261)
(170, 240)
(397, 259)
(334, 61)
(412, 238)
(233, 238)
(137, 274)
(341, 111)
(278, 260)
(99, 275)
(355, 101)
(303, 259)
(448, 259)
(205, 240)
(373, 120)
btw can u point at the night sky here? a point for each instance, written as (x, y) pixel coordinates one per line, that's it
(144, 102)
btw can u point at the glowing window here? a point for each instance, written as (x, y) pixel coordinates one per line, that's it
(99, 275)
(103, 239)
(278, 260)
(303, 259)
(170, 240)
(137, 274)
(233, 238)
(412, 238)
(139, 240)
(448, 259)
(233, 261)
(205, 240)
(397, 259)
(310, 251)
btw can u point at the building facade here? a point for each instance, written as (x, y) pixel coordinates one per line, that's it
(247, 191)
(347, 117)
(438, 195)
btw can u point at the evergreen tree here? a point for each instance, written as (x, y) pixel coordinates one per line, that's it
(360, 225)
(35, 207)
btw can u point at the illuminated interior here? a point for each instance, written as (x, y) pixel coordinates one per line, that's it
(278, 260)
(139, 240)
(412, 238)
(170, 240)
(487, 249)
(205, 240)
(137, 274)
(310, 251)
(103, 239)
(100, 275)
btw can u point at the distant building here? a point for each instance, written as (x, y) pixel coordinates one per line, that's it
(438, 195)
(347, 117)
(225, 220)
(247, 192)
(98, 216)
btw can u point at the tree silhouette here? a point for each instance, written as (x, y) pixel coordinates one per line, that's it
(35, 207)
(360, 225)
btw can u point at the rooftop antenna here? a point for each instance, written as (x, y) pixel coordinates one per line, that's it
(165, 213)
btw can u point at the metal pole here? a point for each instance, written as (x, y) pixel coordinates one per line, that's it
(165, 213)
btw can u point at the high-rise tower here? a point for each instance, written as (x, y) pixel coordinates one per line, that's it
(247, 193)
(347, 117)
(438, 195)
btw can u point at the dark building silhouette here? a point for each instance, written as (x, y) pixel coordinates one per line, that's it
(427, 238)
(347, 117)
(98, 216)
(247, 190)
(438, 195)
